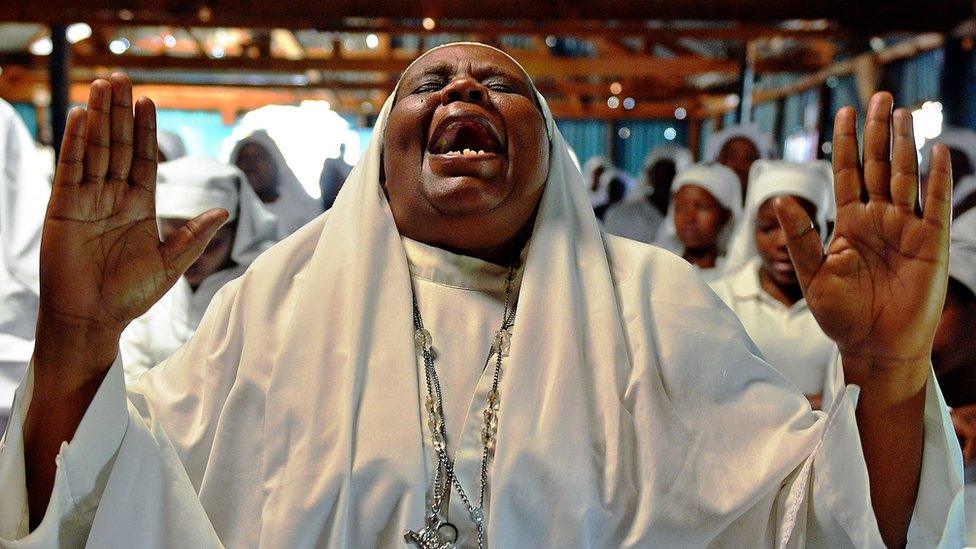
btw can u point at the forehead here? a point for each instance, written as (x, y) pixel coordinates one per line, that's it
(466, 57)
(740, 145)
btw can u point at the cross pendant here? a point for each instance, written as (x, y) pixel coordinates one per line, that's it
(431, 537)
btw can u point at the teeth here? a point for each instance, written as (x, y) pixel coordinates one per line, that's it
(465, 152)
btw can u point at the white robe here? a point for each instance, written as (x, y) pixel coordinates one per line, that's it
(635, 219)
(24, 192)
(788, 337)
(294, 207)
(167, 325)
(634, 410)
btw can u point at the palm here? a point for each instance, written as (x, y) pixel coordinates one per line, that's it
(878, 290)
(102, 262)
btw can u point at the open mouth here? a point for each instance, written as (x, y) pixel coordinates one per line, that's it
(467, 136)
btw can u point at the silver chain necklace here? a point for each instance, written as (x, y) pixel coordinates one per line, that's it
(437, 532)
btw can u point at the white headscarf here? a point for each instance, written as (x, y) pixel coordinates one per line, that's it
(598, 196)
(189, 186)
(722, 183)
(294, 207)
(961, 139)
(170, 144)
(771, 178)
(681, 157)
(962, 250)
(762, 141)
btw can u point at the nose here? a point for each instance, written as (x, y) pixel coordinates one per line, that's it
(464, 88)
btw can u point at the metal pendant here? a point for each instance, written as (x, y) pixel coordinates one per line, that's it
(437, 535)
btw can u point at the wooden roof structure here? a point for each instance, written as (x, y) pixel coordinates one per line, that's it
(592, 59)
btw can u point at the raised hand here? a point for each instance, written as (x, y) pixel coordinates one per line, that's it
(878, 291)
(102, 265)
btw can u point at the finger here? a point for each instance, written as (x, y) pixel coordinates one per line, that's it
(847, 166)
(120, 156)
(142, 176)
(877, 147)
(185, 245)
(98, 132)
(904, 163)
(937, 209)
(803, 241)
(71, 170)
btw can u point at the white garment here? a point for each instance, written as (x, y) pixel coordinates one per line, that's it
(680, 156)
(788, 337)
(598, 196)
(185, 188)
(961, 139)
(963, 189)
(722, 183)
(24, 192)
(762, 140)
(294, 207)
(962, 250)
(636, 219)
(634, 410)
(812, 181)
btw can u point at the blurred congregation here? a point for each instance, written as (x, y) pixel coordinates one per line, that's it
(686, 131)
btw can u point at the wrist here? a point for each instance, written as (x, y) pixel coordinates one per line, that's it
(887, 381)
(70, 355)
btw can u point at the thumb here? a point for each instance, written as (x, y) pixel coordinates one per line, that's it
(802, 239)
(185, 245)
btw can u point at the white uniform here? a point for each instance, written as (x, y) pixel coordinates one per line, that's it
(186, 188)
(294, 207)
(636, 218)
(789, 337)
(24, 192)
(634, 410)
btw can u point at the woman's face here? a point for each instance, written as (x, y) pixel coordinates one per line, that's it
(771, 242)
(465, 153)
(214, 258)
(698, 217)
(260, 169)
(739, 154)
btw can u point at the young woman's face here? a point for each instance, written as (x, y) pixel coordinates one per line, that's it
(771, 242)
(698, 217)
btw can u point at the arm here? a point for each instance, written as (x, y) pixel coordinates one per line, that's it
(102, 265)
(878, 290)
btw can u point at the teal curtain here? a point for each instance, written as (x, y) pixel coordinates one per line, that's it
(587, 137)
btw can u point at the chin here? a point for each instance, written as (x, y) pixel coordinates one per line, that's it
(464, 196)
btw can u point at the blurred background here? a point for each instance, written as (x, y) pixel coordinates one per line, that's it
(622, 76)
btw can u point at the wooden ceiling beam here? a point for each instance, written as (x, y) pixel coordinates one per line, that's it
(892, 14)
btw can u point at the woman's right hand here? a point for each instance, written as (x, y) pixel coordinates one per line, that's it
(102, 262)
(102, 265)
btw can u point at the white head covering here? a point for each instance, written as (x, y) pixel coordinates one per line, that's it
(812, 181)
(598, 197)
(294, 206)
(961, 139)
(962, 250)
(722, 183)
(762, 141)
(188, 186)
(170, 144)
(681, 157)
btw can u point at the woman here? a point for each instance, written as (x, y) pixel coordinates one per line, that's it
(317, 404)
(705, 210)
(640, 216)
(259, 157)
(761, 284)
(738, 147)
(186, 188)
